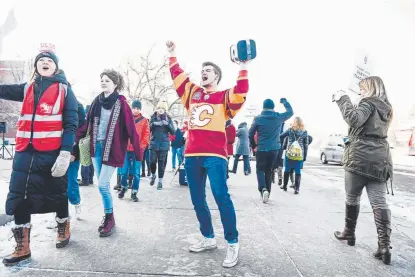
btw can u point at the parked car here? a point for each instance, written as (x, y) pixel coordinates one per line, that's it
(332, 149)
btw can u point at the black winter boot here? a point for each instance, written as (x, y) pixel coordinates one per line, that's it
(118, 186)
(297, 183)
(383, 226)
(286, 176)
(352, 213)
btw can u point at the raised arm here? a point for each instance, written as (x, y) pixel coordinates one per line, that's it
(288, 109)
(354, 117)
(12, 92)
(236, 96)
(182, 84)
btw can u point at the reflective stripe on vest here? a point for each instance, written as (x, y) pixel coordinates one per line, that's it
(47, 120)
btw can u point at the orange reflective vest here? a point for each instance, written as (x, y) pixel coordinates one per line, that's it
(41, 127)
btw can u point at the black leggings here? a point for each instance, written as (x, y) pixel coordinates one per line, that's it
(22, 214)
(158, 158)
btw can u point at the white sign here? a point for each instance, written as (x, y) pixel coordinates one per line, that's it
(362, 69)
(49, 47)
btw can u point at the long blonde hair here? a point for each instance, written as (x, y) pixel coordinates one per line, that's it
(298, 124)
(374, 87)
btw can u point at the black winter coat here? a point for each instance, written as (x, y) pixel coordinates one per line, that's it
(159, 137)
(31, 180)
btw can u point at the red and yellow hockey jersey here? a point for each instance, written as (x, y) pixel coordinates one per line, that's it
(208, 111)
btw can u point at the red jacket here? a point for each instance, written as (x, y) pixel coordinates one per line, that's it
(230, 138)
(143, 131)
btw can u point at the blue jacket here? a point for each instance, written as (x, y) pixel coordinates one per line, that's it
(159, 138)
(268, 126)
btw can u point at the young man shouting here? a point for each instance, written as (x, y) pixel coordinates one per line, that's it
(206, 147)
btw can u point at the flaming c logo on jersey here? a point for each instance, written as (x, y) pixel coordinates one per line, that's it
(196, 115)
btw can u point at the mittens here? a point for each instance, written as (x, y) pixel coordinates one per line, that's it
(61, 165)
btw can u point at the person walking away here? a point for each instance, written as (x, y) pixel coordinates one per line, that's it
(242, 148)
(268, 127)
(143, 131)
(38, 183)
(367, 161)
(206, 146)
(87, 172)
(161, 125)
(74, 196)
(296, 153)
(177, 146)
(110, 124)
(230, 140)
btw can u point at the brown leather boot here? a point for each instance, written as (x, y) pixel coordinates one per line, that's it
(352, 213)
(64, 233)
(383, 226)
(22, 250)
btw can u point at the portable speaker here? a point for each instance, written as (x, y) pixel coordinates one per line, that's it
(244, 50)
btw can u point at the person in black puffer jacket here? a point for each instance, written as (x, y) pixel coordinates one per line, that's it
(45, 136)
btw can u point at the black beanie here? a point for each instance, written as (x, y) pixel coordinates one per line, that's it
(269, 104)
(47, 54)
(136, 104)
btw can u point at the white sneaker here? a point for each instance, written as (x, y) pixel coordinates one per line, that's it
(232, 255)
(265, 196)
(203, 245)
(78, 211)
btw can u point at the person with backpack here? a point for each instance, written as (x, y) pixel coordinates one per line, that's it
(161, 125)
(45, 135)
(110, 125)
(368, 161)
(143, 130)
(296, 153)
(268, 126)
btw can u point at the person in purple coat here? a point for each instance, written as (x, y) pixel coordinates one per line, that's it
(111, 125)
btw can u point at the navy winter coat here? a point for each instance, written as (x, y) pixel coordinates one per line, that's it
(31, 179)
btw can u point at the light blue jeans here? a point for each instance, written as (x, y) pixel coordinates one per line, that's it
(176, 152)
(104, 174)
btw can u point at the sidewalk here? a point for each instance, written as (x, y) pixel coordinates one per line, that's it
(290, 236)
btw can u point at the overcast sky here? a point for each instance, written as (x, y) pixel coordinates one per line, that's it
(306, 49)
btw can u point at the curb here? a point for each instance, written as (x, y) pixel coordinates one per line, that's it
(4, 219)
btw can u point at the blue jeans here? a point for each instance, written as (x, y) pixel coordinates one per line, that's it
(73, 186)
(134, 166)
(104, 174)
(176, 152)
(87, 173)
(197, 169)
(247, 166)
